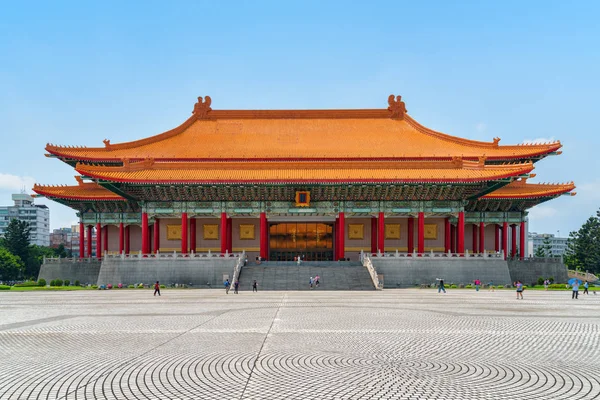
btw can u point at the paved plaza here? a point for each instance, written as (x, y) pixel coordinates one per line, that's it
(204, 344)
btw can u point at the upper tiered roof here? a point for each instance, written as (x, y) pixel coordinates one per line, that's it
(286, 135)
(521, 189)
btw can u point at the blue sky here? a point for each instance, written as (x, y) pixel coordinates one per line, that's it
(77, 73)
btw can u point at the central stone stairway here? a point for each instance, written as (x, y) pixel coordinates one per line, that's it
(281, 275)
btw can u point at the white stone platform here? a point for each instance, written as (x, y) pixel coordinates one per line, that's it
(204, 344)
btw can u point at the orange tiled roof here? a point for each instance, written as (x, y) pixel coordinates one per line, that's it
(457, 170)
(377, 134)
(82, 191)
(521, 189)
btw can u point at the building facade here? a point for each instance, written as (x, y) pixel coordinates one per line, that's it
(553, 246)
(320, 184)
(36, 215)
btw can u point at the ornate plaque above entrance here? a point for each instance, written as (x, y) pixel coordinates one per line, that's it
(173, 232)
(302, 199)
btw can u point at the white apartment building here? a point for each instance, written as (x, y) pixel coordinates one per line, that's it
(36, 215)
(536, 240)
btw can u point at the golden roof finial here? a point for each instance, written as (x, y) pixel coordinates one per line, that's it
(202, 107)
(397, 107)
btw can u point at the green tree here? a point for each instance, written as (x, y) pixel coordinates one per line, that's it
(16, 238)
(60, 251)
(583, 247)
(11, 266)
(36, 258)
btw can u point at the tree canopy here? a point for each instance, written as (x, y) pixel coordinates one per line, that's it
(11, 266)
(583, 246)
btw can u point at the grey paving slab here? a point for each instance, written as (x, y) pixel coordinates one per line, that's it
(205, 344)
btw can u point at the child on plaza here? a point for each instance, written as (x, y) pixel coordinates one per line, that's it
(519, 286)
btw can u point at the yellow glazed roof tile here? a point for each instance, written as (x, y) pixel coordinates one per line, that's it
(301, 135)
(521, 189)
(458, 170)
(82, 191)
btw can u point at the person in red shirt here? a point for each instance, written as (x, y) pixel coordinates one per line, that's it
(156, 288)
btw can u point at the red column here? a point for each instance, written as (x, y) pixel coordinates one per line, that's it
(121, 238)
(410, 238)
(474, 236)
(461, 232)
(481, 237)
(81, 240)
(513, 233)
(127, 239)
(98, 241)
(223, 232)
(373, 235)
(336, 247)
(145, 243)
(421, 232)
(497, 238)
(229, 235)
(505, 239)
(447, 234)
(263, 236)
(156, 244)
(381, 232)
(453, 239)
(193, 234)
(522, 240)
(89, 241)
(184, 233)
(342, 235)
(105, 240)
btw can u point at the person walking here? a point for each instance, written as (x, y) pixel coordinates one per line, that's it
(546, 283)
(311, 282)
(254, 286)
(575, 294)
(477, 283)
(236, 286)
(227, 285)
(156, 288)
(585, 288)
(491, 286)
(519, 286)
(441, 286)
(317, 280)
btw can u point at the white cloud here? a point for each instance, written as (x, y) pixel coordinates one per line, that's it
(539, 140)
(481, 127)
(542, 212)
(16, 183)
(589, 191)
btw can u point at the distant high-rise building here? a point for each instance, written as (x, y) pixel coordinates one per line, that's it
(557, 245)
(36, 215)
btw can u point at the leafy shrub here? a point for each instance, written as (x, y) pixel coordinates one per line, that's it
(453, 286)
(59, 282)
(499, 287)
(557, 286)
(42, 282)
(140, 286)
(53, 282)
(551, 279)
(4, 287)
(469, 286)
(162, 286)
(540, 281)
(77, 283)
(26, 284)
(94, 286)
(131, 286)
(67, 282)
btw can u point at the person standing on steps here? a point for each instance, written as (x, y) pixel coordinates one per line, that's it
(254, 286)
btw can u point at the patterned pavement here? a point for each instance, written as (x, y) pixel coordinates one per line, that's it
(204, 344)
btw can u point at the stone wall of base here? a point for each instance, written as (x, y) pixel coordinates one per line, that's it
(182, 271)
(408, 272)
(529, 270)
(86, 271)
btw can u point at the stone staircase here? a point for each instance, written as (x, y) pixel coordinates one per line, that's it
(280, 275)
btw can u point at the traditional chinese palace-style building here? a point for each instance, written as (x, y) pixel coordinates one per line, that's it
(324, 184)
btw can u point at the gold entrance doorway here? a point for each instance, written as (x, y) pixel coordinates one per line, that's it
(311, 240)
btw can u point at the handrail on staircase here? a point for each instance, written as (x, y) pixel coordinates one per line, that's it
(238, 267)
(366, 262)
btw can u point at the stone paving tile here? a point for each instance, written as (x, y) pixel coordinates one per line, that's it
(204, 344)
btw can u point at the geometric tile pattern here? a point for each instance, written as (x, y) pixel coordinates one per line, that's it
(205, 344)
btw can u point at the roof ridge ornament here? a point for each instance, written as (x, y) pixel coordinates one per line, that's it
(106, 143)
(397, 107)
(202, 107)
(496, 141)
